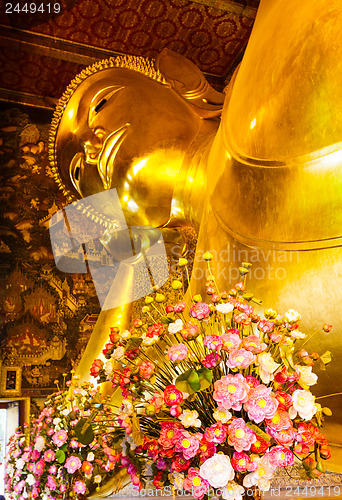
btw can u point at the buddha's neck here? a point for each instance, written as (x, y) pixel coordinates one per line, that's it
(191, 187)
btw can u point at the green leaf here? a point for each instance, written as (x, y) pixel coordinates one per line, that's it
(84, 431)
(137, 433)
(286, 357)
(188, 382)
(259, 432)
(133, 343)
(205, 377)
(60, 456)
(325, 359)
(327, 411)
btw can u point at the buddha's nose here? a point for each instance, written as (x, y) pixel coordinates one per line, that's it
(93, 146)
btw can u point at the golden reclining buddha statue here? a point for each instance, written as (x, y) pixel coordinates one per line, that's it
(262, 183)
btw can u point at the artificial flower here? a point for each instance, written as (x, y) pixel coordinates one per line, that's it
(217, 470)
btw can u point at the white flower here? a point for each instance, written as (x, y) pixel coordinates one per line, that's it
(97, 479)
(306, 375)
(224, 308)
(178, 479)
(233, 491)
(292, 316)
(30, 479)
(125, 334)
(90, 456)
(128, 407)
(56, 421)
(175, 327)
(118, 353)
(190, 418)
(19, 463)
(9, 469)
(40, 443)
(65, 412)
(217, 470)
(296, 334)
(261, 477)
(267, 366)
(222, 415)
(304, 403)
(108, 368)
(150, 340)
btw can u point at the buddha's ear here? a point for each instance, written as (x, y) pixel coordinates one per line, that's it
(188, 81)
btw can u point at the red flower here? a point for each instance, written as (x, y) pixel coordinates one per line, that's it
(96, 367)
(179, 463)
(284, 399)
(172, 396)
(260, 445)
(108, 348)
(156, 329)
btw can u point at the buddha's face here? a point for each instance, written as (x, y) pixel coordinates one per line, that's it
(123, 130)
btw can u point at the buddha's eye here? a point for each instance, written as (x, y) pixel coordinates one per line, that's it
(100, 100)
(100, 105)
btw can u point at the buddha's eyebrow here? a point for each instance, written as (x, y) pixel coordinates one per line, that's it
(100, 99)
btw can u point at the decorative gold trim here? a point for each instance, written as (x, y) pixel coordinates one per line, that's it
(6, 383)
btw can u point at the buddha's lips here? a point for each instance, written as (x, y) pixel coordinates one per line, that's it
(111, 145)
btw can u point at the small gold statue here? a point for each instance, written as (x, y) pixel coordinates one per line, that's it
(263, 185)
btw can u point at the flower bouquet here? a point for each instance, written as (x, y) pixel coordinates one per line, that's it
(215, 397)
(68, 450)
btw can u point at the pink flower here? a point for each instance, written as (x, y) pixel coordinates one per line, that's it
(72, 464)
(280, 456)
(284, 437)
(79, 487)
(168, 433)
(39, 467)
(279, 421)
(18, 488)
(26, 456)
(240, 436)
(178, 352)
(231, 340)
(51, 483)
(231, 391)
(59, 438)
(265, 326)
(50, 431)
(252, 343)
(261, 403)
(211, 360)
(243, 319)
(190, 331)
(30, 467)
(186, 444)
(200, 310)
(53, 469)
(216, 433)
(179, 307)
(146, 369)
(157, 400)
(49, 456)
(195, 483)
(213, 342)
(240, 358)
(74, 444)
